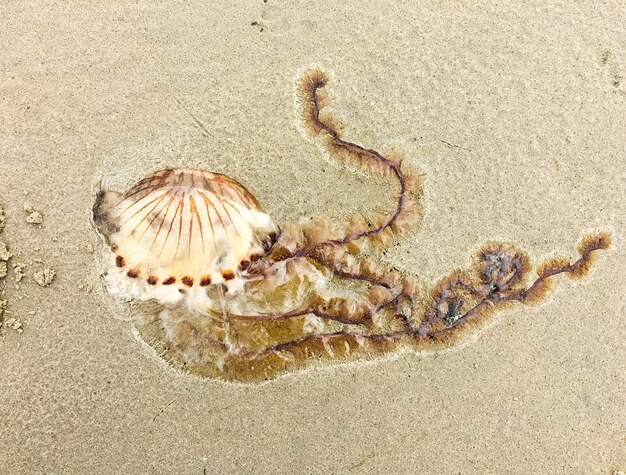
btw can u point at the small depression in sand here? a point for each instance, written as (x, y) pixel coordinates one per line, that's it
(220, 290)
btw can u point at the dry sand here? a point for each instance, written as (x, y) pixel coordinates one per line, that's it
(515, 116)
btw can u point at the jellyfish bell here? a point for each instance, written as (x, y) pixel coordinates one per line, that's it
(178, 233)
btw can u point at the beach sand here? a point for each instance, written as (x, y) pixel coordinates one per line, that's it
(514, 116)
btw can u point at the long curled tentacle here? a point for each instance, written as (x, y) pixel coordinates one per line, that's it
(498, 278)
(322, 128)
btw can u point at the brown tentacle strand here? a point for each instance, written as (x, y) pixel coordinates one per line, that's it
(500, 273)
(313, 99)
(386, 289)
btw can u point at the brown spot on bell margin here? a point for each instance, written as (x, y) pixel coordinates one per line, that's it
(169, 281)
(206, 280)
(153, 279)
(188, 281)
(133, 273)
(228, 274)
(255, 257)
(120, 261)
(243, 265)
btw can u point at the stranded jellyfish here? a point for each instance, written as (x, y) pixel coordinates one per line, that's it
(220, 290)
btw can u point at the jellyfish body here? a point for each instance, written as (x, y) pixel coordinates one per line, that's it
(241, 299)
(177, 232)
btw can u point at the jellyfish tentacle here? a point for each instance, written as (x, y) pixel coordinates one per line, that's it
(331, 308)
(313, 100)
(300, 312)
(399, 287)
(458, 302)
(461, 300)
(576, 270)
(335, 340)
(386, 290)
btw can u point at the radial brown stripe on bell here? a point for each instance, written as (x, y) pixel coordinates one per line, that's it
(188, 281)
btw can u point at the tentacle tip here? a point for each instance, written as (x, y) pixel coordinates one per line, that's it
(595, 242)
(310, 82)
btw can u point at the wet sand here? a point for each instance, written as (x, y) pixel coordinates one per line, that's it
(515, 119)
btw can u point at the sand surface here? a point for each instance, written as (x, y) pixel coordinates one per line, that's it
(514, 115)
